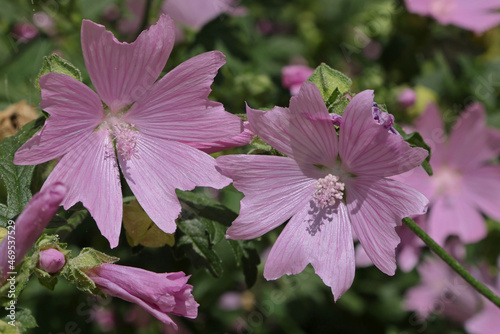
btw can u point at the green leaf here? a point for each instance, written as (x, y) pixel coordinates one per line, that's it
(247, 258)
(198, 205)
(56, 64)
(194, 242)
(17, 179)
(24, 272)
(331, 83)
(141, 230)
(415, 140)
(46, 280)
(24, 321)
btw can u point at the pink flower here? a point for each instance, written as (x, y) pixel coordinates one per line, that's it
(293, 76)
(24, 32)
(30, 225)
(464, 183)
(146, 120)
(478, 16)
(407, 98)
(308, 187)
(51, 260)
(159, 294)
(196, 13)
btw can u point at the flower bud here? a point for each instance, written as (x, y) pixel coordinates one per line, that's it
(407, 98)
(51, 260)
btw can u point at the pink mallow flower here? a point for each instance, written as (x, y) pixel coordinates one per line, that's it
(293, 76)
(51, 260)
(159, 294)
(464, 183)
(29, 226)
(196, 13)
(147, 121)
(478, 15)
(441, 292)
(328, 186)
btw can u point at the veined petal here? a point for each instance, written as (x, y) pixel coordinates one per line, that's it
(195, 13)
(275, 189)
(178, 108)
(305, 132)
(90, 173)
(75, 111)
(469, 139)
(367, 148)
(321, 237)
(123, 73)
(455, 215)
(376, 206)
(158, 168)
(419, 179)
(482, 187)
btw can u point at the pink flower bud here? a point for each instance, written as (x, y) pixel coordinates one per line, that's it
(51, 260)
(294, 76)
(24, 32)
(407, 98)
(30, 225)
(158, 294)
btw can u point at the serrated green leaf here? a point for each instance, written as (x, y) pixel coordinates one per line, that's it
(338, 107)
(24, 320)
(247, 258)
(194, 242)
(17, 179)
(328, 81)
(56, 64)
(415, 140)
(141, 230)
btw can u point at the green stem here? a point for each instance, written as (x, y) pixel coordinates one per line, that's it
(145, 17)
(480, 287)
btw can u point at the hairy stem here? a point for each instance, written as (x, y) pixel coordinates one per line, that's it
(480, 287)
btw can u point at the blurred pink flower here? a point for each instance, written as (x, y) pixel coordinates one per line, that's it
(147, 120)
(464, 183)
(293, 76)
(104, 317)
(442, 292)
(30, 225)
(308, 187)
(159, 294)
(24, 32)
(407, 98)
(196, 13)
(478, 15)
(45, 23)
(51, 260)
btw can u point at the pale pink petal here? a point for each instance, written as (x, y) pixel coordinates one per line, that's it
(478, 16)
(178, 108)
(90, 173)
(485, 322)
(455, 215)
(195, 13)
(75, 111)
(242, 139)
(430, 125)
(275, 189)
(420, 7)
(362, 259)
(419, 179)
(366, 148)
(321, 237)
(158, 168)
(123, 73)
(468, 145)
(294, 76)
(482, 189)
(494, 140)
(305, 132)
(376, 206)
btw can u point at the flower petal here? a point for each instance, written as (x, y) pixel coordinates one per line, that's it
(469, 139)
(178, 108)
(304, 132)
(123, 73)
(275, 189)
(366, 148)
(195, 13)
(482, 188)
(455, 215)
(430, 125)
(158, 168)
(320, 237)
(376, 206)
(419, 179)
(75, 111)
(90, 173)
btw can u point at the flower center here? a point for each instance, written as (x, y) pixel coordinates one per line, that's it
(328, 190)
(447, 180)
(125, 137)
